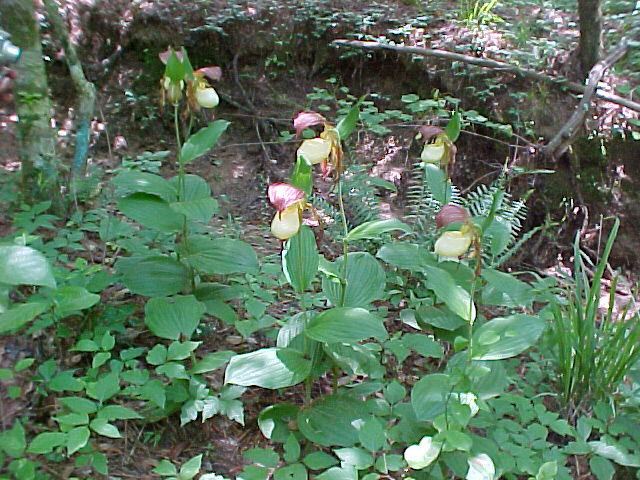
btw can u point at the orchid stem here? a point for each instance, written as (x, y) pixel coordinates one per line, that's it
(345, 246)
(181, 184)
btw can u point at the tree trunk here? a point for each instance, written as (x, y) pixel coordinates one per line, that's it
(590, 46)
(86, 90)
(36, 138)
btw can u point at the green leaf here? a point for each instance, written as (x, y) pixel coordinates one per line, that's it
(274, 420)
(106, 387)
(330, 420)
(295, 471)
(76, 439)
(319, 460)
(506, 337)
(190, 468)
(408, 256)
(453, 127)
(602, 468)
(302, 176)
(291, 449)
(133, 182)
(345, 325)
(154, 391)
(174, 68)
(348, 472)
(505, 289)
(102, 427)
(79, 404)
(24, 266)
(70, 299)
(375, 228)
(455, 297)
(17, 317)
(118, 412)
(202, 141)
(438, 183)
(173, 317)
(165, 469)
(155, 276)
(220, 256)
(268, 368)
(152, 212)
(608, 449)
(197, 203)
(347, 125)
(354, 456)
(430, 395)
(181, 350)
(13, 441)
(212, 361)
(265, 457)
(365, 281)
(300, 259)
(371, 435)
(46, 442)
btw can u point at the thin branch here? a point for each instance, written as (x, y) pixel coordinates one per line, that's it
(493, 64)
(565, 137)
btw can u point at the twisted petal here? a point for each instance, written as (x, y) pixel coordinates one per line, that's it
(429, 131)
(422, 455)
(212, 73)
(453, 244)
(315, 150)
(283, 196)
(481, 468)
(287, 223)
(305, 120)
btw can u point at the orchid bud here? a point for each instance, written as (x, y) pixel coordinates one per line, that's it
(286, 224)
(453, 244)
(174, 90)
(422, 455)
(207, 97)
(315, 150)
(450, 213)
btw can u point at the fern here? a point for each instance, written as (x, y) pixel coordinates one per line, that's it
(510, 213)
(362, 203)
(422, 206)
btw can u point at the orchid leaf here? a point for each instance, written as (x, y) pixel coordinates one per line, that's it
(204, 140)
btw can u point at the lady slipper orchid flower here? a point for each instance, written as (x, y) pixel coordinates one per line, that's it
(481, 467)
(207, 97)
(315, 150)
(438, 149)
(453, 244)
(289, 202)
(422, 455)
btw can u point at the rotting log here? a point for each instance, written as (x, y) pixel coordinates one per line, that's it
(566, 135)
(492, 64)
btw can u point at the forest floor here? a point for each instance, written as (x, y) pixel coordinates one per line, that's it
(263, 87)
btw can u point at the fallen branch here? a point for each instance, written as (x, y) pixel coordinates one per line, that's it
(493, 64)
(86, 90)
(565, 137)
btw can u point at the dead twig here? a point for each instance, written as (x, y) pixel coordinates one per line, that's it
(492, 64)
(567, 134)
